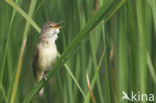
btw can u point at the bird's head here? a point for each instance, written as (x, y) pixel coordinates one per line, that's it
(51, 29)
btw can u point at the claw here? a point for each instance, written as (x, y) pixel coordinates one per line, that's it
(44, 77)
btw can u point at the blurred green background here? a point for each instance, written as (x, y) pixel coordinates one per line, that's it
(113, 40)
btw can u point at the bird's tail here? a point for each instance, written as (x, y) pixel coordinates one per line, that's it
(39, 76)
(40, 93)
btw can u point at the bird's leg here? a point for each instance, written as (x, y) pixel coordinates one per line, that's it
(44, 73)
(44, 76)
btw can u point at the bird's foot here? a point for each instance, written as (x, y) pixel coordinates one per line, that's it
(44, 77)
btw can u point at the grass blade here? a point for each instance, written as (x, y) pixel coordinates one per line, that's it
(151, 68)
(94, 78)
(153, 6)
(141, 46)
(123, 60)
(90, 90)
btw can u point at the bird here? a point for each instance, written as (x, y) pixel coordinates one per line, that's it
(45, 51)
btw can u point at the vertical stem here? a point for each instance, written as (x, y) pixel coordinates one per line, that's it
(141, 46)
(123, 60)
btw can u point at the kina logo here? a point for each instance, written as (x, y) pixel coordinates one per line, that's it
(138, 96)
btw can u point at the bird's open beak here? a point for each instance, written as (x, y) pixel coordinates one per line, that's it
(57, 25)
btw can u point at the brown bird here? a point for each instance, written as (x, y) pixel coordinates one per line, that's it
(45, 51)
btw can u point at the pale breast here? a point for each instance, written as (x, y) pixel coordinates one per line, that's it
(47, 55)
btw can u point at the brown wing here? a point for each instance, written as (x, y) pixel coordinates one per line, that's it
(35, 60)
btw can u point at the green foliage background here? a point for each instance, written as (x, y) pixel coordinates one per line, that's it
(113, 40)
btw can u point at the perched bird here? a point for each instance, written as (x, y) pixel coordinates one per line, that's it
(45, 51)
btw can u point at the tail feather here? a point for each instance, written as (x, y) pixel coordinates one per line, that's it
(40, 93)
(39, 76)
